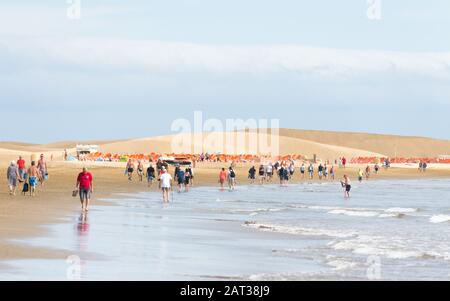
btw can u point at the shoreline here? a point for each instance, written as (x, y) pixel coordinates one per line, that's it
(26, 217)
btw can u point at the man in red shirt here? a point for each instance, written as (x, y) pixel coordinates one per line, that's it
(21, 167)
(86, 186)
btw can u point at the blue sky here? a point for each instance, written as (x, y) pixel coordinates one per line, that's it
(129, 68)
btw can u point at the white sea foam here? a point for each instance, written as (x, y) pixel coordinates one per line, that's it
(354, 213)
(440, 218)
(401, 210)
(300, 230)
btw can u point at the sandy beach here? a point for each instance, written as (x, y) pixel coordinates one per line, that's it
(24, 217)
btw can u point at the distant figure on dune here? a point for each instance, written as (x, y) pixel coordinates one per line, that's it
(347, 186)
(12, 175)
(85, 185)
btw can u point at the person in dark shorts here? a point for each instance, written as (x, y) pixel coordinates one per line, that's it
(150, 175)
(347, 186)
(85, 184)
(180, 178)
(262, 174)
(251, 174)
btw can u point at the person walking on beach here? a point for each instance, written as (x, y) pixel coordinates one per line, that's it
(269, 172)
(251, 174)
(85, 184)
(344, 162)
(231, 178)
(376, 168)
(140, 170)
(311, 171)
(367, 172)
(33, 176)
(347, 186)
(302, 171)
(262, 174)
(320, 171)
(165, 182)
(332, 172)
(21, 167)
(42, 166)
(360, 175)
(180, 176)
(187, 178)
(190, 170)
(150, 174)
(12, 175)
(325, 171)
(222, 178)
(130, 169)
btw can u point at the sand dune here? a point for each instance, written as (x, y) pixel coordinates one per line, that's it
(391, 145)
(287, 145)
(325, 144)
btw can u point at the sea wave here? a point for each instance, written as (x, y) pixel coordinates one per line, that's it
(440, 218)
(300, 230)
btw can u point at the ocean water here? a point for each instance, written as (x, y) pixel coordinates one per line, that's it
(387, 230)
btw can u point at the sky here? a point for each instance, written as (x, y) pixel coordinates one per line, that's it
(128, 69)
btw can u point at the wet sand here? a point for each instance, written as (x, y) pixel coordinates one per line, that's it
(23, 217)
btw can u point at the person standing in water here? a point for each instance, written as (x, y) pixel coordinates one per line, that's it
(187, 178)
(262, 174)
(347, 186)
(189, 170)
(222, 178)
(86, 185)
(42, 166)
(12, 175)
(165, 182)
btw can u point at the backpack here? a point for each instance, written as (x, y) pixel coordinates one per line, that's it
(232, 174)
(25, 187)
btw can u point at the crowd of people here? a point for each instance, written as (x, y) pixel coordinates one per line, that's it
(30, 177)
(183, 176)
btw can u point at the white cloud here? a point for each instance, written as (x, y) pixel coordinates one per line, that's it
(265, 60)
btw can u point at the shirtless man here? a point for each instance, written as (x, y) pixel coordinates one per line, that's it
(140, 170)
(42, 166)
(33, 176)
